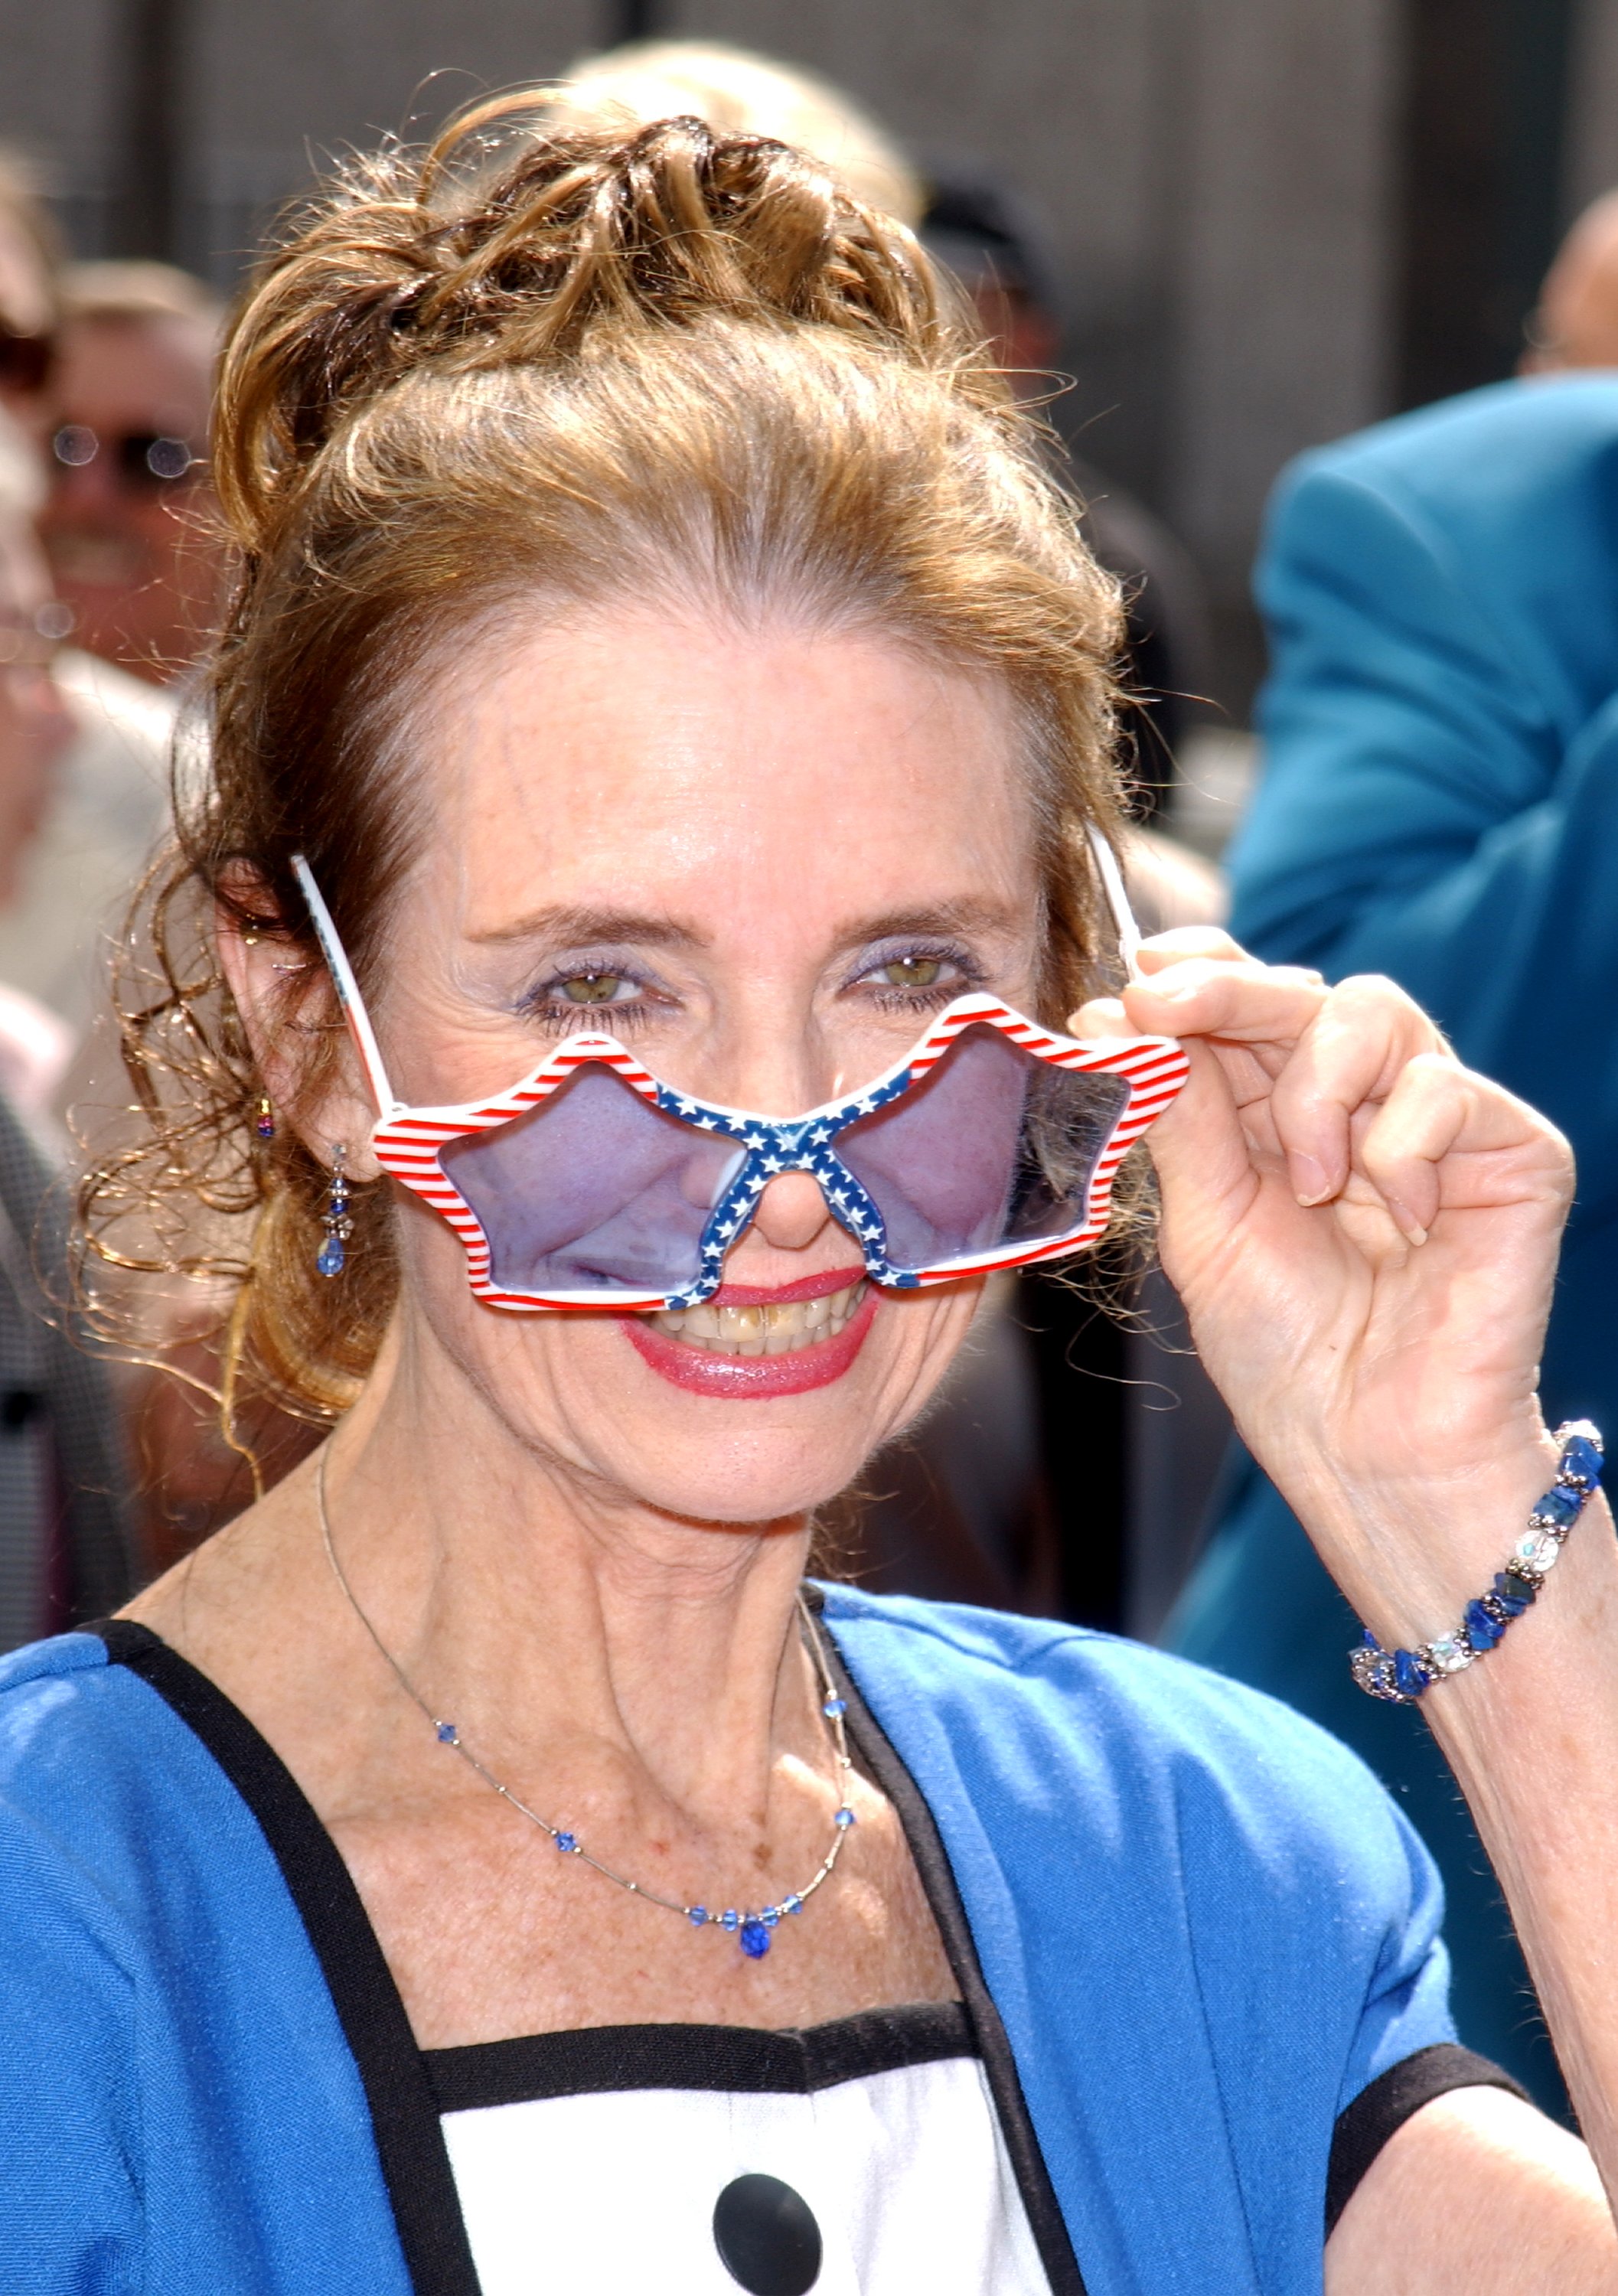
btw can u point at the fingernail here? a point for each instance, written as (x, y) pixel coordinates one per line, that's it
(1311, 1181)
(1406, 1221)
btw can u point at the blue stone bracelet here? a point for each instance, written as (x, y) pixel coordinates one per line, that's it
(1401, 1676)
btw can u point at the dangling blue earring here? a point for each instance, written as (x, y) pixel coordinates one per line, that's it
(335, 1220)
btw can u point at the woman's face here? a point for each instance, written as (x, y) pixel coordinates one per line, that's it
(764, 861)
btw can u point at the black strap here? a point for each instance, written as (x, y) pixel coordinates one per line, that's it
(726, 2060)
(1387, 2102)
(1045, 2217)
(404, 2113)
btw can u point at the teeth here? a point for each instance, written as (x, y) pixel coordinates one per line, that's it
(771, 1331)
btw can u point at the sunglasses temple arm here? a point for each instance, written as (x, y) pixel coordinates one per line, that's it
(1118, 901)
(348, 989)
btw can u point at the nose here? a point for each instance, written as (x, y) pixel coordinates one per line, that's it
(792, 1212)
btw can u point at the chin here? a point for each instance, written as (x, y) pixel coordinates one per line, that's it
(769, 1487)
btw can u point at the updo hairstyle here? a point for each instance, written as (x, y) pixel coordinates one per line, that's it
(548, 366)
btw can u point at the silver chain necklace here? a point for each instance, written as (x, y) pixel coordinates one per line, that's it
(753, 1929)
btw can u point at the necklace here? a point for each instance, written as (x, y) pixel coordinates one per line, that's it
(752, 1930)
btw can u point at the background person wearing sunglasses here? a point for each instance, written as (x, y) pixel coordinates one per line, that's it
(134, 357)
(126, 526)
(128, 523)
(486, 1860)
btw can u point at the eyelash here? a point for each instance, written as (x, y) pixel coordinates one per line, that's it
(967, 971)
(562, 1019)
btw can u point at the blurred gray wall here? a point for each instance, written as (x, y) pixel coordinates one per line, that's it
(1219, 178)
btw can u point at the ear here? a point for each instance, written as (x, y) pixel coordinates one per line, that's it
(290, 1012)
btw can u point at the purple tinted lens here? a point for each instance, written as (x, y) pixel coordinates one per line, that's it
(593, 1190)
(996, 1150)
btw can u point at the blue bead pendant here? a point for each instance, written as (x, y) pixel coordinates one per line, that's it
(754, 1938)
(330, 1257)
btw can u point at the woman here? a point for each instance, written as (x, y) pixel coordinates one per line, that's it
(660, 668)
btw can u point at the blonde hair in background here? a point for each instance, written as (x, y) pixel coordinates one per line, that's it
(740, 94)
(534, 367)
(137, 291)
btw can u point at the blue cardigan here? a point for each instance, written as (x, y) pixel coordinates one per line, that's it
(1201, 1927)
(1440, 803)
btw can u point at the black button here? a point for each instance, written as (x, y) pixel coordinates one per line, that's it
(767, 2236)
(18, 1406)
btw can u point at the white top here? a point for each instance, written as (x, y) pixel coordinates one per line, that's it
(596, 2160)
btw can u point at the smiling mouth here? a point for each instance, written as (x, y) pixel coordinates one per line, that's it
(780, 1328)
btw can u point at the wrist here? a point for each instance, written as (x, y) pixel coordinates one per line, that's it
(1395, 1665)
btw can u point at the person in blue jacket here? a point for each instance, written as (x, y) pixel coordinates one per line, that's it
(665, 710)
(1440, 804)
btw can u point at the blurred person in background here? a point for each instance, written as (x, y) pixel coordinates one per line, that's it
(989, 239)
(108, 368)
(128, 347)
(64, 1555)
(1440, 803)
(129, 525)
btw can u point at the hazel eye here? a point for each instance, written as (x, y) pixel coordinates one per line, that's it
(913, 972)
(592, 988)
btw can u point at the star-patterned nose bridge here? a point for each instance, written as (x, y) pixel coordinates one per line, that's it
(768, 1150)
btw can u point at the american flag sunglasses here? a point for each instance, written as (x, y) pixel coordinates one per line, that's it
(591, 1183)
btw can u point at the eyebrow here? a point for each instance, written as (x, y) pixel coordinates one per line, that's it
(962, 917)
(566, 927)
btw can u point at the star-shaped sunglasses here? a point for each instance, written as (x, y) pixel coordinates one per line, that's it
(591, 1183)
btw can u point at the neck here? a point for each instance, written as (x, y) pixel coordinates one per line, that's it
(531, 1605)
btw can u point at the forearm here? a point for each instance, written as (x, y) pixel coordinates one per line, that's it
(1531, 1734)
(1531, 1730)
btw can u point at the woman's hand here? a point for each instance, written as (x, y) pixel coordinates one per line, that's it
(1365, 1236)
